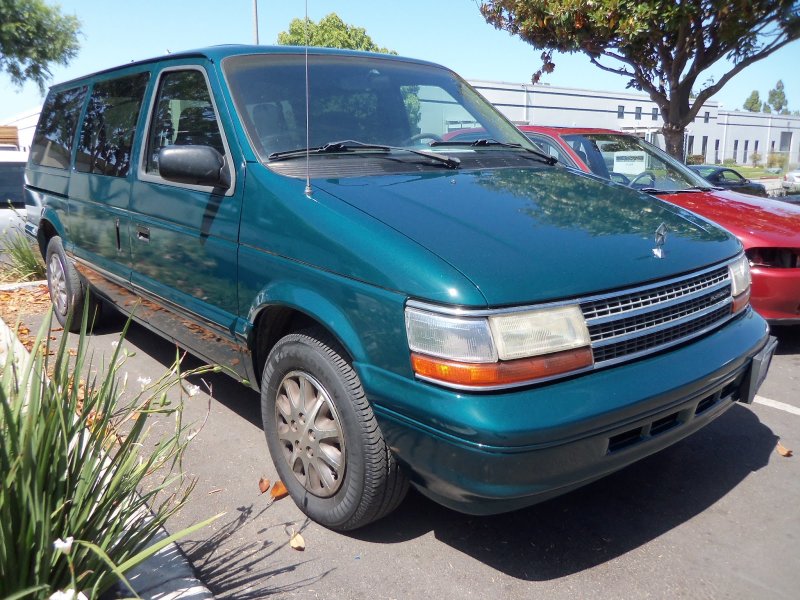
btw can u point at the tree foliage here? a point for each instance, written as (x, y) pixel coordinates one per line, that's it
(33, 36)
(753, 102)
(777, 99)
(662, 48)
(330, 32)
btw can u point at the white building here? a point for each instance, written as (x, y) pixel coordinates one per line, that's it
(716, 134)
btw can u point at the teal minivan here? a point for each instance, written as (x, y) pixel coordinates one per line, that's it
(469, 318)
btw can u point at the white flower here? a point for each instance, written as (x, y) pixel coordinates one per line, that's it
(64, 546)
(145, 381)
(68, 595)
(192, 390)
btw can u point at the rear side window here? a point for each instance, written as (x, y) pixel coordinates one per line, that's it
(106, 137)
(184, 116)
(52, 143)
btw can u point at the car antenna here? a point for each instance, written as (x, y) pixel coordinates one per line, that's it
(308, 136)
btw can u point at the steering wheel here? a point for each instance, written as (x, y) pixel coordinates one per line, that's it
(422, 136)
(619, 178)
(638, 180)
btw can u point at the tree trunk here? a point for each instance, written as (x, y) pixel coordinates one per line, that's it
(673, 139)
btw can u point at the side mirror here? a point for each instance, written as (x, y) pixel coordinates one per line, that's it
(195, 165)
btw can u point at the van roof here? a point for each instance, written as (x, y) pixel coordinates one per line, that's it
(218, 53)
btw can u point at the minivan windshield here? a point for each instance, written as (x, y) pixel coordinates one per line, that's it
(371, 101)
(631, 161)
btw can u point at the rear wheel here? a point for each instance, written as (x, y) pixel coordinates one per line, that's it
(323, 436)
(67, 292)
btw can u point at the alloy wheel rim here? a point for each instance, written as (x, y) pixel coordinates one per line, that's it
(310, 433)
(58, 285)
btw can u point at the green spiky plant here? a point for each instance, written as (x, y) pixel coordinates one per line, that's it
(20, 261)
(77, 460)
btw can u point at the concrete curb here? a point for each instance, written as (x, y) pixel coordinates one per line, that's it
(167, 575)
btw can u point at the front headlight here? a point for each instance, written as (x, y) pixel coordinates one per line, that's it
(740, 283)
(544, 331)
(477, 352)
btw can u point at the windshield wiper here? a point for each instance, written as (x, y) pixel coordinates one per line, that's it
(550, 160)
(352, 145)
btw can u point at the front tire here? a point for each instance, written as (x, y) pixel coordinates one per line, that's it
(323, 436)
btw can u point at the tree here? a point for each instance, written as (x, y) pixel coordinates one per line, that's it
(765, 108)
(34, 36)
(753, 102)
(777, 99)
(662, 48)
(330, 32)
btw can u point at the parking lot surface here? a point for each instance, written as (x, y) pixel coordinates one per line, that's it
(715, 516)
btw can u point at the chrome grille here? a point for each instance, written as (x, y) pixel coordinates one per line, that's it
(636, 322)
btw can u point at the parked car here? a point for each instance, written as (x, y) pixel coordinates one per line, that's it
(12, 200)
(729, 179)
(769, 229)
(471, 318)
(791, 181)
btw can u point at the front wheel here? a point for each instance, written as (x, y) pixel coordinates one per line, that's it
(323, 436)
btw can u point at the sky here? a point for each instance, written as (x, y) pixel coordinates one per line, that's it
(451, 32)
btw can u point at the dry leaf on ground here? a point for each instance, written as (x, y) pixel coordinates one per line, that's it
(297, 542)
(263, 484)
(783, 451)
(278, 490)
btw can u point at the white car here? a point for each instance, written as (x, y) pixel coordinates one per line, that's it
(12, 201)
(791, 181)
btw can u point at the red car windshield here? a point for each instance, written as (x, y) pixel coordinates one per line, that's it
(631, 161)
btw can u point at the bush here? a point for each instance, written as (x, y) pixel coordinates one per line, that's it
(21, 261)
(755, 158)
(695, 159)
(776, 159)
(729, 162)
(73, 463)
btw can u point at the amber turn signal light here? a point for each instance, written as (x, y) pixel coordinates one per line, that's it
(503, 373)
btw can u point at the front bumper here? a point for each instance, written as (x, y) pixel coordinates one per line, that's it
(490, 453)
(776, 295)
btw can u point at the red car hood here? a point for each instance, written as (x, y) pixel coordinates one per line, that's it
(755, 221)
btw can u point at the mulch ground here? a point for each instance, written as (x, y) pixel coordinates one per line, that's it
(21, 308)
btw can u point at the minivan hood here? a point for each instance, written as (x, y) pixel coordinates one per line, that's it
(756, 221)
(525, 235)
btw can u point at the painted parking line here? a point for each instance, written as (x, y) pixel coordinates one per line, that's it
(779, 405)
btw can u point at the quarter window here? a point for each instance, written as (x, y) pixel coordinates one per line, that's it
(109, 126)
(184, 115)
(52, 144)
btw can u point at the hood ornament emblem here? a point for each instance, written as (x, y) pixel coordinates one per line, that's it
(660, 239)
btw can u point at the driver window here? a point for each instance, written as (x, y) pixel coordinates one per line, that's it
(184, 115)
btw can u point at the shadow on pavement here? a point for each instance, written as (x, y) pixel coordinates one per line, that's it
(601, 521)
(566, 535)
(788, 338)
(240, 570)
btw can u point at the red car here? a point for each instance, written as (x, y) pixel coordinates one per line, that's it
(768, 229)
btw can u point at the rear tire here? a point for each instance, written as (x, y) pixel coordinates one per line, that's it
(67, 293)
(323, 436)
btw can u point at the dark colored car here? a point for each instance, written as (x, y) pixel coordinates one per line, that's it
(730, 179)
(12, 201)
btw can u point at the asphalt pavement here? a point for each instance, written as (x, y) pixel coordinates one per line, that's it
(715, 516)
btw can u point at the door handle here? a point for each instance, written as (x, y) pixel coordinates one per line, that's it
(143, 233)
